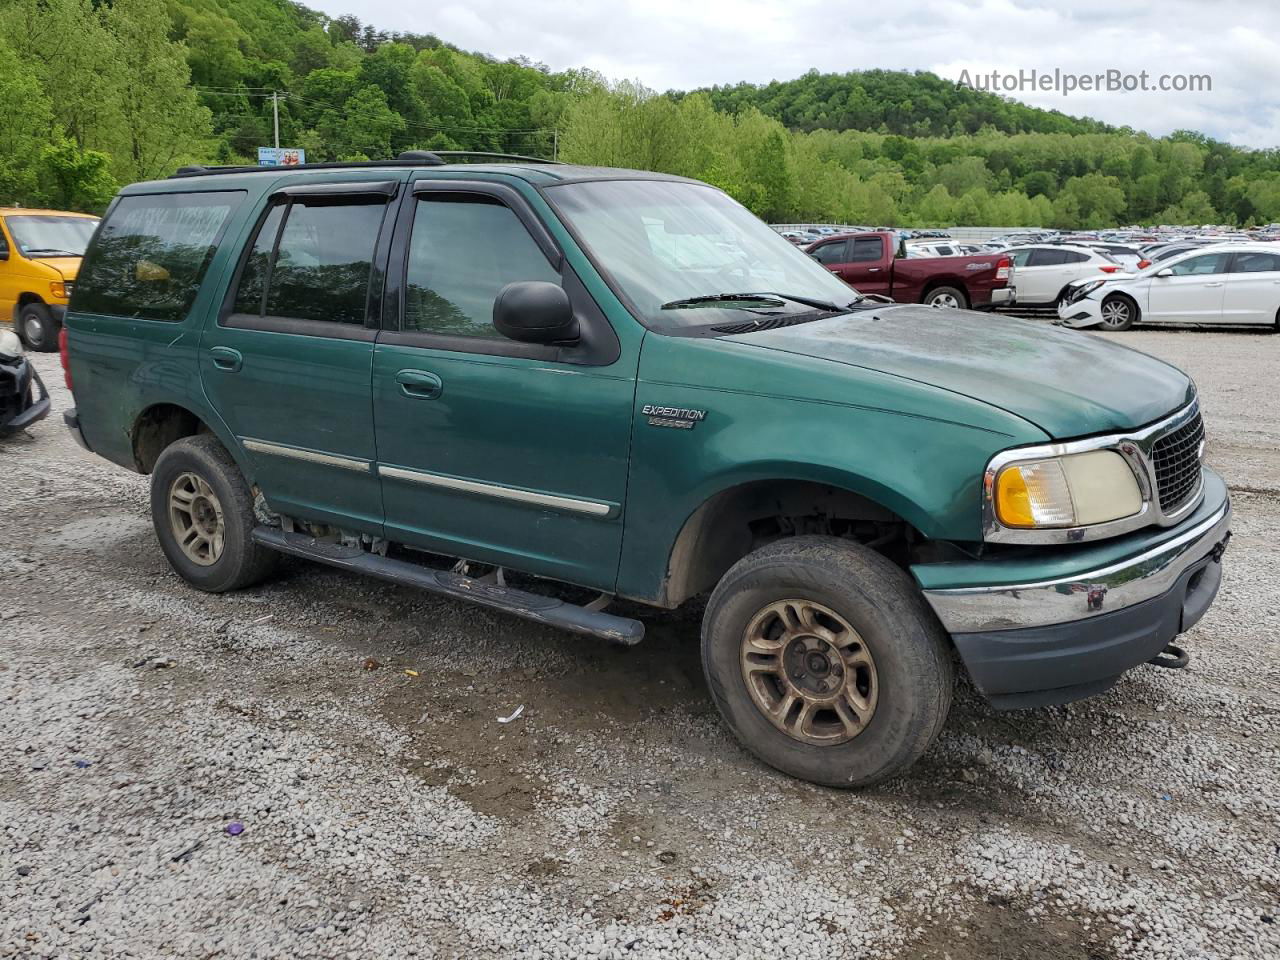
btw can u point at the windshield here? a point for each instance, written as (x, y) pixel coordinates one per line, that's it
(45, 235)
(665, 242)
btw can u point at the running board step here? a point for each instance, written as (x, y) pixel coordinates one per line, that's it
(530, 606)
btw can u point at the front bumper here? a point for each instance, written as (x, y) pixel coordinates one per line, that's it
(28, 401)
(1031, 642)
(1085, 312)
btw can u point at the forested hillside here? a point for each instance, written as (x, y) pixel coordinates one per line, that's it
(95, 93)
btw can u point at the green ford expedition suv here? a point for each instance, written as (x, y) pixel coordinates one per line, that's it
(487, 379)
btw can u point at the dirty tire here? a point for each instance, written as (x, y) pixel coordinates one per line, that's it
(913, 664)
(951, 297)
(240, 562)
(37, 328)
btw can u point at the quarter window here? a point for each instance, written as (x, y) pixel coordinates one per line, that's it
(463, 250)
(152, 253)
(312, 261)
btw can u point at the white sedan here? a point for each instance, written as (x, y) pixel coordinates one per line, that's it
(1045, 271)
(1228, 283)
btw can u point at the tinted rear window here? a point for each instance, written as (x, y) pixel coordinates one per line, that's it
(151, 254)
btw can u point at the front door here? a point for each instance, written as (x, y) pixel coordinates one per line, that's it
(1194, 293)
(288, 364)
(1253, 289)
(497, 451)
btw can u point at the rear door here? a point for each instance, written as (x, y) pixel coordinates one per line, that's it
(1195, 292)
(503, 452)
(1253, 289)
(288, 364)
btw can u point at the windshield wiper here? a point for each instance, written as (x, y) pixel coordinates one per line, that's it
(41, 251)
(773, 299)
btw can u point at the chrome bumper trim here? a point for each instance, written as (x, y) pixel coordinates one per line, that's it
(1090, 594)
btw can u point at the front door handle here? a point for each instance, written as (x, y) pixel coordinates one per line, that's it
(224, 358)
(419, 384)
(873, 269)
(1215, 284)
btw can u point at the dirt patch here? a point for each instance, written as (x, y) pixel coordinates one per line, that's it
(1004, 931)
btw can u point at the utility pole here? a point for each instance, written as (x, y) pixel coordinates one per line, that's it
(555, 144)
(275, 115)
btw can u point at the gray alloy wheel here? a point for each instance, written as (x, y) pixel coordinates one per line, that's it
(195, 515)
(946, 298)
(1117, 313)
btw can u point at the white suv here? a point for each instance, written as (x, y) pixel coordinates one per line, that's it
(1045, 271)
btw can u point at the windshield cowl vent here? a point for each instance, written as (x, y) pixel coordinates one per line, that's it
(769, 323)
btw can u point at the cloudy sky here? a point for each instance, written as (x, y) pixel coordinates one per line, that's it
(689, 43)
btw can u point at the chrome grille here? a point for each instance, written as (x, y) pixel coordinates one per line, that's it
(1175, 457)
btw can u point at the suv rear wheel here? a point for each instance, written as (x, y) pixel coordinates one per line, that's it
(37, 328)
(202, 511)
(825, 661)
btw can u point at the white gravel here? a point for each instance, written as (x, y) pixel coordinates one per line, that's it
(390, 816)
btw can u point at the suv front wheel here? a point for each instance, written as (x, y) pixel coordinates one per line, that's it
(202, 510)
(826, 662)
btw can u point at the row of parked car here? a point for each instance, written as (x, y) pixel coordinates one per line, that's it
(1110, 280)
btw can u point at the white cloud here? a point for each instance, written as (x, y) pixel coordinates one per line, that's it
(684, 43)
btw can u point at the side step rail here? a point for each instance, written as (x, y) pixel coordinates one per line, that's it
(531, 606)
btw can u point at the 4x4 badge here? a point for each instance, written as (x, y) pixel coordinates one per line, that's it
(679, 418)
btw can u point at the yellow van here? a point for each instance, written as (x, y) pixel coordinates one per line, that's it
(40, 253)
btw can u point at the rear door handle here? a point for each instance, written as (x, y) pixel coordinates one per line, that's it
(224, 358)
(1217, 283)
(419, 384)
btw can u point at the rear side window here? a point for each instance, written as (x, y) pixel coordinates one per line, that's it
(462, 251)
(1048, 258)
(151, 254)
(866, 249)
(312, 261)
(1256, 263)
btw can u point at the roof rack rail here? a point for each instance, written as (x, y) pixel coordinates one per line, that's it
(410, 158)
(494, 156)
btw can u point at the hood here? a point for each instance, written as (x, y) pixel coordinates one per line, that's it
(67, 266)
(1067, 383)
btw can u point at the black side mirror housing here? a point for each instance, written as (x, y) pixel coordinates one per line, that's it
(535, 311)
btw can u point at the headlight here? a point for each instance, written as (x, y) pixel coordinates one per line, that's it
(1072, 491)
(10, 345)
(1082, 291)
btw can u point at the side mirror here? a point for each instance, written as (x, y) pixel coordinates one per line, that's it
(535, 311)
(1166, 272)
(4, 253)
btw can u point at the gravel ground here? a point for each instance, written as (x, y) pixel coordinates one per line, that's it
(389, 815)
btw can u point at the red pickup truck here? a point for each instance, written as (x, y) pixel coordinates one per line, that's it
(871, 263)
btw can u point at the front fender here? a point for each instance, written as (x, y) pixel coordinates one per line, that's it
(926, 470)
